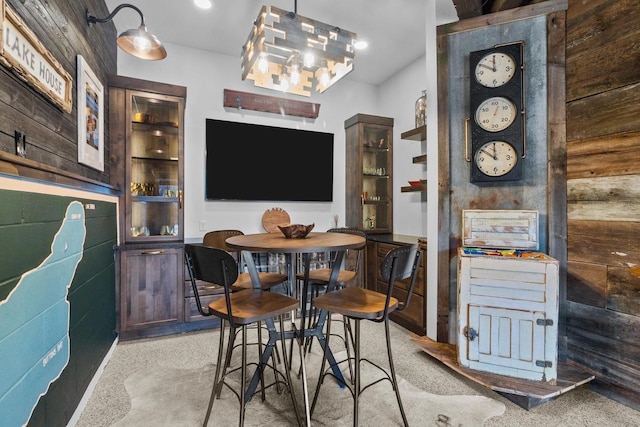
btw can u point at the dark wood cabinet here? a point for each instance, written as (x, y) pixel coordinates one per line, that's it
(150, 300)
(146, 125)
(414, 317)
(369, 178)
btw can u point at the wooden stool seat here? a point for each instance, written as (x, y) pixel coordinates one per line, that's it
(268, 280)
(320, 277)
(356, 303)
(250, 306)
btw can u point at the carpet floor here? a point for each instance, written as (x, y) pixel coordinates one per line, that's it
(166, 381)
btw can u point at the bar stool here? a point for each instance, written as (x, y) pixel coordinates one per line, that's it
(241, 309)
(318, 281)
(359, 303)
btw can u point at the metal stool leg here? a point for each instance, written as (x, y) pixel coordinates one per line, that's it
(394, 382)
(356, 369)
(324, 362)
(217, 374)
(243, 374)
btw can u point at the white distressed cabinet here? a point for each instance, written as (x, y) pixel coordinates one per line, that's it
(508, 315)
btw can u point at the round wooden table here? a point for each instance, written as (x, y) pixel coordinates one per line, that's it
(314, 242)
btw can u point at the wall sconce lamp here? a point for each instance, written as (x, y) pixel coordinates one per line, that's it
(137, 42)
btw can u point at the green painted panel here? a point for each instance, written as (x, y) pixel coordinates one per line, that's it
(28, 223)
(10, 207)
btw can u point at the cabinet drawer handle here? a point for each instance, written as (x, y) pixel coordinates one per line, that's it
(158, 252)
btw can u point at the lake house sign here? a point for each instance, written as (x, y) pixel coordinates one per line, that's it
(26, 56)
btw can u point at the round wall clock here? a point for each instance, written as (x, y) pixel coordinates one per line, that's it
(496, 114)
(496, 158)
(496, 101)
(495, 69)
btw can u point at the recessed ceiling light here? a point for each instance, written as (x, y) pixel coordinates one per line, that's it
(203, 4)
(360, 44)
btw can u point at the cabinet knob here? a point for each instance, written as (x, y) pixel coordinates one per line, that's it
(470, 333)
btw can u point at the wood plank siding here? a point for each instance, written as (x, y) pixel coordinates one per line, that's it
(603, 193)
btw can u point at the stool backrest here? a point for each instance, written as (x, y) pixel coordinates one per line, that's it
(352, 257)
(399, 264)
(217, 238)
(213, 265)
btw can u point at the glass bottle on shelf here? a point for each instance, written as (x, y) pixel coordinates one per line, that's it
(421, 109)
(154, 167)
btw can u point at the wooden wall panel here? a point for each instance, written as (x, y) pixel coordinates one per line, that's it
(604, 242)
(603, 193)
(623, 284)
(586, 283)
(601, 57)
(607, 343)
(51, 134)
(616, 154)
(607, 113)
(612, 198)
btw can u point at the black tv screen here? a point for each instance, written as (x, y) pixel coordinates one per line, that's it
(246, 161)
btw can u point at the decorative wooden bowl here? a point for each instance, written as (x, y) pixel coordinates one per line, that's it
(296, 231)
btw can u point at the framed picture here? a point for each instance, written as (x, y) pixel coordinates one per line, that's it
(90, 117)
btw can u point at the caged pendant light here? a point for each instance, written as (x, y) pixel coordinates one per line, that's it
(294, 54)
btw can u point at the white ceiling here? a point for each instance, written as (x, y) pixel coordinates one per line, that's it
(393, 28)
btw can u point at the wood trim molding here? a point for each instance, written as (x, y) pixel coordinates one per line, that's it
(21, 168)
(270, 104)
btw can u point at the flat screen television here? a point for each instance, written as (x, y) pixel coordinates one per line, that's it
(247, 161)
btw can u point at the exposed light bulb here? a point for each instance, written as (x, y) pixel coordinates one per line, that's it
(284, 83)
(263, 65)
(324, 77)
(142, 44)
(309, 60)
(295, 74)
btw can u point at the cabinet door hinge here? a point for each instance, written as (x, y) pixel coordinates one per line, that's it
(544, 322)
(544, 363)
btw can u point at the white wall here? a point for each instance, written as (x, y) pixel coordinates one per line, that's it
(207, 74)
(400, 94)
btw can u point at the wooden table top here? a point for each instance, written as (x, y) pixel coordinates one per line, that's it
(314, 242)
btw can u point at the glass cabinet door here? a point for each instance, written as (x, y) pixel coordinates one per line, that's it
(376, 172)
(155, 166)
(369, 178)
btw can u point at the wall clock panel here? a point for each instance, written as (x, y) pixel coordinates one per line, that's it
(497, 113)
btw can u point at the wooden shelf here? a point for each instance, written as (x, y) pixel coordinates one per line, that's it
(414, 188)
(420, 159)
(417, 134)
